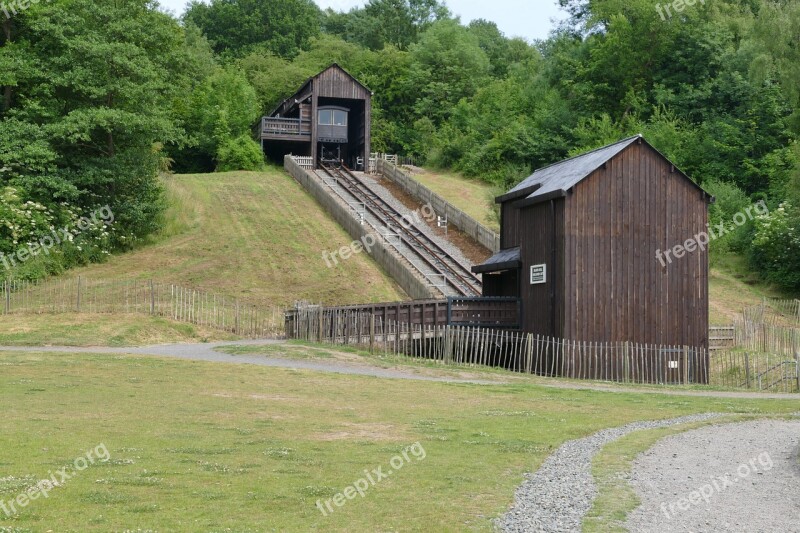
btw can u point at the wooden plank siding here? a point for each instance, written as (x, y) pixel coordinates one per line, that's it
(510, 225)
(615, 289)
(332, 86)
(598, 236)
(543, 235)
(334, 82)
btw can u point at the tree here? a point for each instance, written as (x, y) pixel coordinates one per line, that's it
(92, 90)
(776, 246)
(234, 27)
(447, 64)
(397, 23)
(224, 107)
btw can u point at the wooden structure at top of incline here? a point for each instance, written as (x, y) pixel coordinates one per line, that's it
(580, 242)
(328, 117)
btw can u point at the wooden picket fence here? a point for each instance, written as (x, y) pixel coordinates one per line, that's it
(767, 337)
(516, 351)
(182, 304)
(788, 309)
(620, 362)
(740, 368)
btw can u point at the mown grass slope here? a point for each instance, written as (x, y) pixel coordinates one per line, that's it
(100, 330)
(253, 235)
(472, 196)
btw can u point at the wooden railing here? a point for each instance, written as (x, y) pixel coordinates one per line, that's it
(501, 313)
(305, 162)
(484, 312)
(429, 329)
(285, 127)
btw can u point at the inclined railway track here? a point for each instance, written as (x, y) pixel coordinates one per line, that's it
(457, 276)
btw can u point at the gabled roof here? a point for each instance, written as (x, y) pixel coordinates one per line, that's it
(303, 86)
(336, 65)
(555, 180)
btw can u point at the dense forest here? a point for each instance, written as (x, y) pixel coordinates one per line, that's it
(101, 96)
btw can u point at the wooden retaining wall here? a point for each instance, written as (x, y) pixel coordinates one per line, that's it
(482, 235)
(380, 252)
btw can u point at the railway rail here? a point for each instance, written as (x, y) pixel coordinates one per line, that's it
(457, 276)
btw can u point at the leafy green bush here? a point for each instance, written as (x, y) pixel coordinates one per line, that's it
(775, 250)
(730, 199)
(241, 153)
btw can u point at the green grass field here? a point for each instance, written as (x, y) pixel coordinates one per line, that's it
(253, 235)
(219, 447)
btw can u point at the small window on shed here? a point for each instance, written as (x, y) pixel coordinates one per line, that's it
(325, 117)
(340, 118)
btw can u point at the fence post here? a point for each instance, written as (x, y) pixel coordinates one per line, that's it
(625, 363)
(448, 345)
(529, 354)
(372, 333)
(7, 298)
(236, 323)
(797, 370)
(747, 369)
(685, 365)
(78, 297)
(152, 298)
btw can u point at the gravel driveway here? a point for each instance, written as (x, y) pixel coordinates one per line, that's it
(722, 478)
(557, 496)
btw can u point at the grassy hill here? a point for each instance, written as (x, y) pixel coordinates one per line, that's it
(101, 330)
(253, 235)
(474, 197)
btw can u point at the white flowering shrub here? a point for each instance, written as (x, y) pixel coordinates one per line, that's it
(20, 220)
(62, 236)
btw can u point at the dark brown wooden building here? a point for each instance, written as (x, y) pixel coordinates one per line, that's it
(579, 244)
(328, 117)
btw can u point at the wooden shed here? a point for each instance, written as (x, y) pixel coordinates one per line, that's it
(327, 118)
(580, 242)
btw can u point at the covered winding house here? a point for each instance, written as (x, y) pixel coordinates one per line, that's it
(580, 242)
(328, 118)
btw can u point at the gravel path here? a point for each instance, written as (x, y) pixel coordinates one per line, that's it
(208, 352)
(558, 495)
(732, 477)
